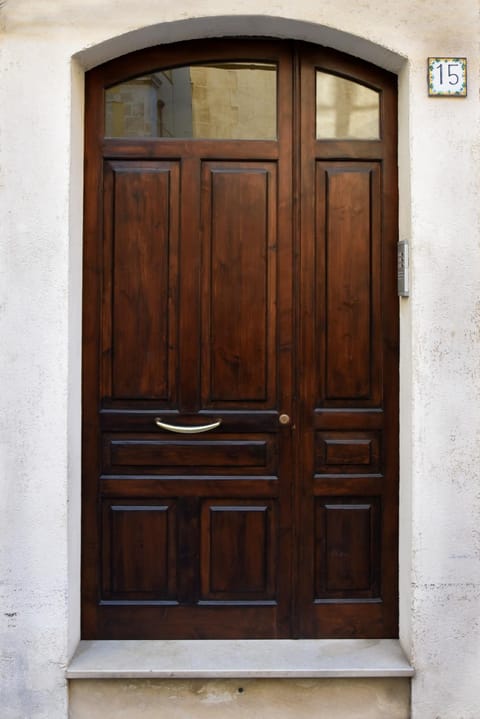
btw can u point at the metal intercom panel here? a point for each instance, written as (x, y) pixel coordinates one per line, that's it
(402, 268)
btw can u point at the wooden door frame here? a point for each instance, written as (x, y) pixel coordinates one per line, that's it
(118, 70)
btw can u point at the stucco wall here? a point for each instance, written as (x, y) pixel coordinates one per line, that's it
(45, 45)
(237, 699)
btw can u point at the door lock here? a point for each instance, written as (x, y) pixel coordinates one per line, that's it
(284, 419)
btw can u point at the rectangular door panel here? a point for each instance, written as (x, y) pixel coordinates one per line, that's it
(348, 308)
(139, 550)
(226, 453)
(346, 549)
(239, 284)
(238, 551)
(347, 452)
(141, 245)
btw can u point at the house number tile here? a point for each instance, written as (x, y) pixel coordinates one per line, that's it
(447, 76)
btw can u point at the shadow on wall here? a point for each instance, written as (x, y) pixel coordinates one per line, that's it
(248, 25)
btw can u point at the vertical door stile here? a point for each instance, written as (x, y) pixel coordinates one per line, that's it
(286, 401)
(188, 371)
(91, 357)
(309, 285)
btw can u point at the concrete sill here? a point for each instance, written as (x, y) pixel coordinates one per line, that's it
(217, 659)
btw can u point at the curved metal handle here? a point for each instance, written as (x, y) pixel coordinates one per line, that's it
(187, 430)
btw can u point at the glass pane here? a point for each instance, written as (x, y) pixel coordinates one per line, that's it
(228, 101)
(346, 110)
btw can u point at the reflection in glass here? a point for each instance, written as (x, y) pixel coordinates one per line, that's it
(346, 110)
(233, 100)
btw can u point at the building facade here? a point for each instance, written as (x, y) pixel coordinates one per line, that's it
(46, 49)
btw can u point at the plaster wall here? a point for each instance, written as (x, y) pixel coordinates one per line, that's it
(45, 46)
(234, 699)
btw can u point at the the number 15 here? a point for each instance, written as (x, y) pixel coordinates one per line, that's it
(453, 77)
(447, 76)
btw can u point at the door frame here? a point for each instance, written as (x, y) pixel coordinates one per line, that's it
(87, 328)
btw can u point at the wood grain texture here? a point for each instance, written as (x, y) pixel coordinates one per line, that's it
(203, 456)
(355, 452)
(144, 204)
(239, 217)
(347, 550)
(238, 551)
(148, 569)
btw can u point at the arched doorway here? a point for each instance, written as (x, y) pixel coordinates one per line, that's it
(240, 345)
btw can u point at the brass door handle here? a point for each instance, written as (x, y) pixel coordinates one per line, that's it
(181, 429)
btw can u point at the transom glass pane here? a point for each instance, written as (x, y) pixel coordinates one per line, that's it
(228, 101)
(346, 110)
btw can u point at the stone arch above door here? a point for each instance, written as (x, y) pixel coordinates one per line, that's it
(268, 26)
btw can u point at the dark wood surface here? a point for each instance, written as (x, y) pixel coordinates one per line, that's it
(241, 280)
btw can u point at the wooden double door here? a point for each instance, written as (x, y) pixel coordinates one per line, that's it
(240, 381)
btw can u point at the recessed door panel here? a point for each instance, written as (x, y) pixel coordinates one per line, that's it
(141, 239)
(238, 551)
(139, 551)
(349, 258)
(347, 452)
(239, 281)
(224, 454)
(347, 549)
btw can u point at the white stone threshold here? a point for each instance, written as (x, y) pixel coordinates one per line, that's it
(223, 659)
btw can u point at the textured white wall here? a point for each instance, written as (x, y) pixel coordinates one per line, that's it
(41, 90)
(238, 699)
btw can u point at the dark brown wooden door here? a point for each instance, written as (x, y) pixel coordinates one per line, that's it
(245, 288)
